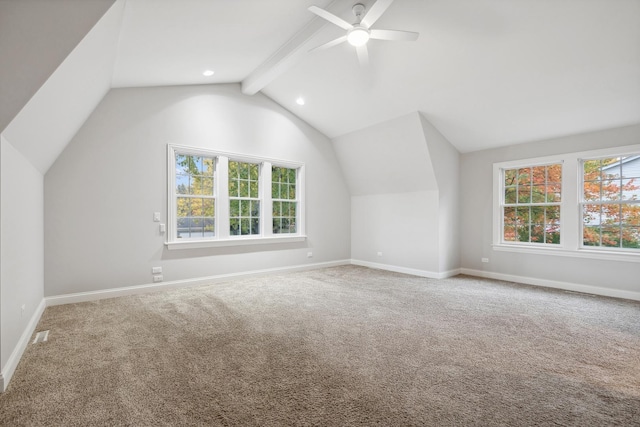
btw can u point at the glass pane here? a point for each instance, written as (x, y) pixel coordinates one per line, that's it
(553, 235)
(611, 214)
(553, 193)
(554, 174)
(254, 172)
(181, 164)
(208, 208)
(292, 176)
(182, 184)
(183, 206)
(537, 214)
(207, 186)
(509, 215)
(196, 207)
(524, 176)
(275, 174)
(276, 225)
(234, 208)
(611, 236)
(510, 195)
(277, 209)
(197, 227)
(233, 170)
(631, 189)
(591, 214)
(292, 209)
(524, 194)
(611, 189)
(510, 233)
(245, 226)
(245, 206)
(233, 188)
(631, 237)
(537, 233)
(275, 191)
(552, 215)
(255, 226)
(631, 215)
(244, 170)
(292, 192)
(522, 233)
(234, 226)
(183, 228)
(539, 175)
(522, 216)
(255, 208)
(253, 189)
(197, 165)
(591, 169)
(208, 166)
(196, 185)
(244, 188)
(292, 226)
(538, 194)
(591, 236)
(610, 168)
(209, 227)
(510, 177)
(592, 191)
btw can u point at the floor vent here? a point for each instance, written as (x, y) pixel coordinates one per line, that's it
(41, 337)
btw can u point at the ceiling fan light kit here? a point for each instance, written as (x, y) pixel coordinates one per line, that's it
(359, 33)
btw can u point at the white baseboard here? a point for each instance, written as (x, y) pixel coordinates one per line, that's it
(406, 270)
(12, 363)
(152, 287)
(567, 286)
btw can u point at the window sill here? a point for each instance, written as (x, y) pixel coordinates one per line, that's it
(196, 244)
(613, 255)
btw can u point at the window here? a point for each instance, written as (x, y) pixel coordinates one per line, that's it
(575, 204)
(244, 201)
(531, 198)
(285, 204)
(610, 205)
(195, 198)
(223, 199)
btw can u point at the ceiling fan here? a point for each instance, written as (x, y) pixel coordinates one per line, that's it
(359, 33)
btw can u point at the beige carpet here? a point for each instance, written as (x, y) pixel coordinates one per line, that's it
(335, 347)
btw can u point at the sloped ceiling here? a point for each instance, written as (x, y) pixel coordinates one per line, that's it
(35, 37)
(486, 73)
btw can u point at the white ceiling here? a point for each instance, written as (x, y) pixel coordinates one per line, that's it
(486, 73)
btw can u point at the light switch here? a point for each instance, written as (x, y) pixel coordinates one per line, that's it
(156, 217)
(163, 228)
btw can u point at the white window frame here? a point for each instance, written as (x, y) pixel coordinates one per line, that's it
(222, 237)
(583, 202)
(570, 208)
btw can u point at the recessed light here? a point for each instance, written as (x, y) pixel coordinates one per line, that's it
(208, 73)
(300, 100)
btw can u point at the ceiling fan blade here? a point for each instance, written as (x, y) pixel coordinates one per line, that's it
(363, 55)
(330, 44)
(375, 12)
(394, 35)
(331, 17)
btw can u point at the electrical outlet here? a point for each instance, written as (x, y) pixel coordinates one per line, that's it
(156, 217)
(156, 270)
(485, 259)
(157, 278)
(309, 254)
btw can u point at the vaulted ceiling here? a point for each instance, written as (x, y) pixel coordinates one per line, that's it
(486, 73)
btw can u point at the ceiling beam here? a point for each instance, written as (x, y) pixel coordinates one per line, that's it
(287, 55)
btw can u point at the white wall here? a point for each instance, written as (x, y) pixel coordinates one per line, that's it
(446, 166)
(476, 221)
(21, 248)
(403, 178)
(101, 192)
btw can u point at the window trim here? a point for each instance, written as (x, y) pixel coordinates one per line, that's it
(571, 240)
(222, 237)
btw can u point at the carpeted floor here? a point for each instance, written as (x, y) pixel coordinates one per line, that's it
(335, 347)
